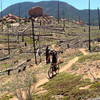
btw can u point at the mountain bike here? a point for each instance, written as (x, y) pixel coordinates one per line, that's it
(53, 70)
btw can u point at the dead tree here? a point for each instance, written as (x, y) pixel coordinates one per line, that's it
(34, 45)
(99, 18)
(35, 12)
(89, 28)
(58, 11)
(39, 43)
(8, 40)
(64, 21)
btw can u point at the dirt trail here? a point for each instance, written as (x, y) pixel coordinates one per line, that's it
(14, 98)
(2, 45)
(43, 81)
(71, 62)
(85, 88)
(83, 51)
(63, 69)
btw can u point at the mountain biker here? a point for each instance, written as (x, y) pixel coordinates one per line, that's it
(54, 60)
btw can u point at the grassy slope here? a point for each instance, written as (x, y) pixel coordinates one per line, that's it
(67, 86)
(86, 59)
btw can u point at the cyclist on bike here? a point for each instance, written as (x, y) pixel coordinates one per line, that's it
(54, 60)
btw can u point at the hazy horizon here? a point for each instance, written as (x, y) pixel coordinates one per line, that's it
(79, 4)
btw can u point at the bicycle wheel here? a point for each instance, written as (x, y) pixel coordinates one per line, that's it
(50, 73)
(57, 70)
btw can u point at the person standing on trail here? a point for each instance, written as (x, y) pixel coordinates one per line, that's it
(47, 55)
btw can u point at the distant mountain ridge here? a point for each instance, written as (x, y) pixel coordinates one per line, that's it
(50, 7)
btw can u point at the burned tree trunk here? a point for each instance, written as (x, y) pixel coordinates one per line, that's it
(34, 40)
(99, 18)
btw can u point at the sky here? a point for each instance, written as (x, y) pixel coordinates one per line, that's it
(79, 4)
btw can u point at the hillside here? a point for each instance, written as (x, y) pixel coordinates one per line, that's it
(68, 10)
(79, 70)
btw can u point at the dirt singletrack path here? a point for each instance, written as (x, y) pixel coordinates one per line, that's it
(83, 51)
(67, 66)
(2, 45)
(63, 69)
(14, 98)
